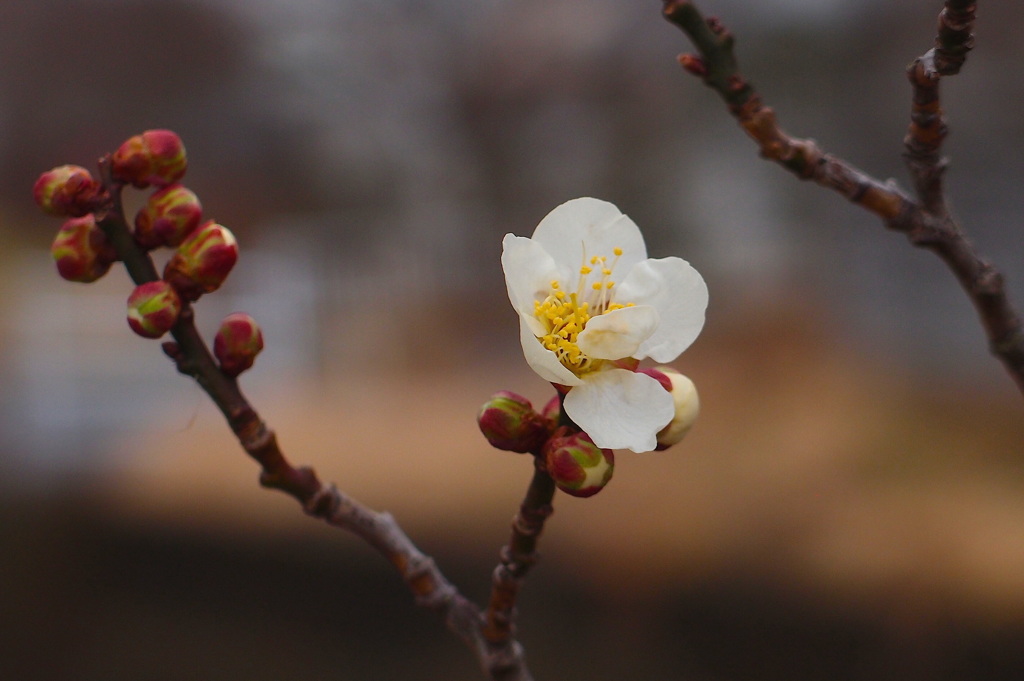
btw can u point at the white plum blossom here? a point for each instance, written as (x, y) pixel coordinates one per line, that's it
(591, 304)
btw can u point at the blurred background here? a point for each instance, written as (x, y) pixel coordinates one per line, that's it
(849, 506)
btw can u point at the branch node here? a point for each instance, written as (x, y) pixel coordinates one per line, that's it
(503, 658)
(173, 350)
(324, 502)
(954, 39)
(725, 39)
(693, 64)
(429, 594)
(989, 281)
(254, 435)
(517, 564)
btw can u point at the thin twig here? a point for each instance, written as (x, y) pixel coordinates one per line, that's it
(518, 556)
(926, 220)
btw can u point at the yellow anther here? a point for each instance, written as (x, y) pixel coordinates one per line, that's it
(565, 314)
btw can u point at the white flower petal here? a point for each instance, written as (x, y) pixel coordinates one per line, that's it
(542, 360)
(619, 333)
(593, 224)
(529, 271)
(620, 409)
(678, 293)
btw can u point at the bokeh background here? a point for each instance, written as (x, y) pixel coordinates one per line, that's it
(849, 506)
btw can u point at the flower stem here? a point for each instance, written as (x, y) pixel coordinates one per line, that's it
(518, 556)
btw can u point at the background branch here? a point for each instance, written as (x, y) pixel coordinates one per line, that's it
(925, 220)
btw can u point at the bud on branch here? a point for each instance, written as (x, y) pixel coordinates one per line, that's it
(168, 218)
(81, 250)
(153, 308)
(203, 261)
(237, 343)
(68, 190)
(156, 157)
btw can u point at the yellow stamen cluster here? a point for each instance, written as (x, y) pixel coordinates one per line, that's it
(566, 315)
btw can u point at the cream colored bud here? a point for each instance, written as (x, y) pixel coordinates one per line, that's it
(687, 404)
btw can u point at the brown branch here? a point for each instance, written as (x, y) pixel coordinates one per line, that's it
(954, 39)
(718, 68)
(928, 130)
(518, 556)
(926, 221)
(501, 660)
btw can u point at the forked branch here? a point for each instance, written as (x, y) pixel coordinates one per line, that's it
(501, 657)
(926, 219)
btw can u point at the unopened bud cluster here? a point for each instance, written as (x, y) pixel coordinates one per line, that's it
(204, 251)
(577, 466)
(569, 456)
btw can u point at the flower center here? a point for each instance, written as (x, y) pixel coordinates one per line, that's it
(565, 315)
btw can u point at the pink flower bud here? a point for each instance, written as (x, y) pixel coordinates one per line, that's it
(67, 190)
(170, 215)
(154, 157)
(509, 422)
(203, 261)
(81, 250)
(237, 343)
(576, 464)
(153, 308)
(686, 400)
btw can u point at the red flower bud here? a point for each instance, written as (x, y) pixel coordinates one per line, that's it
(81, 250)
(170, 215)
(153, 308)
(203, 261)
(154, 157)
(67, 190)
(509, 422)
(577, 465)
(237, 343)
(552, 411)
